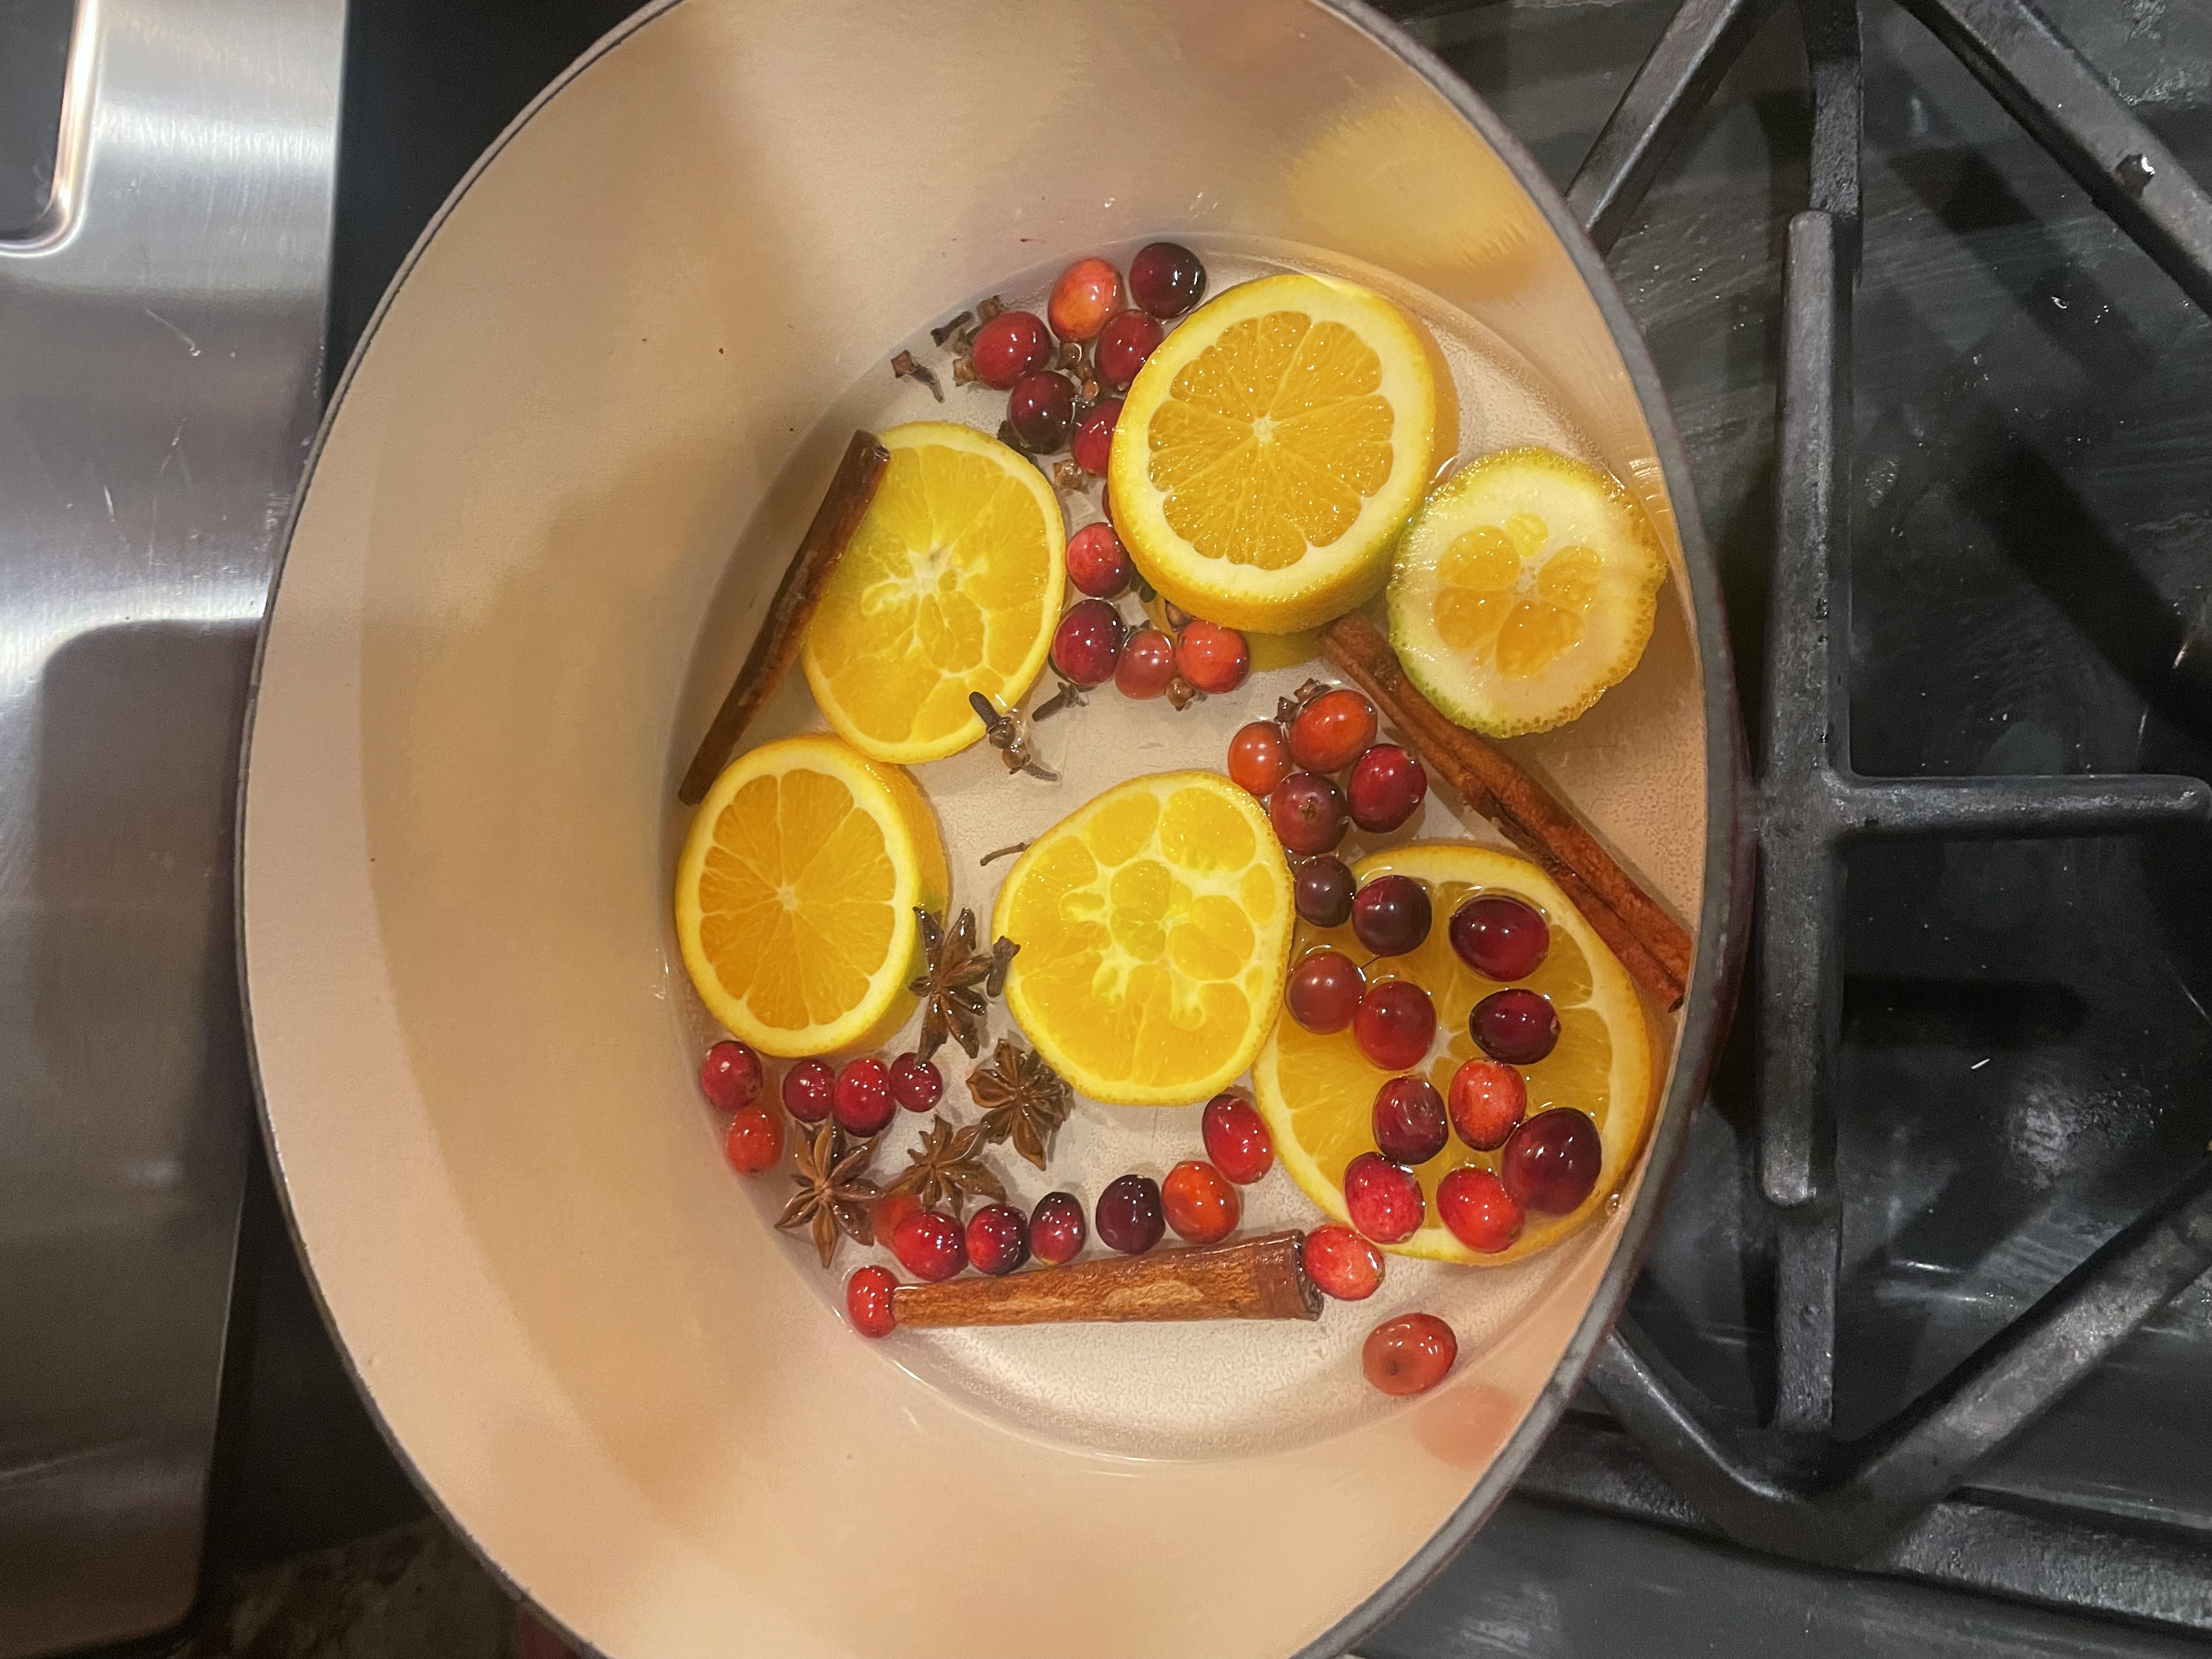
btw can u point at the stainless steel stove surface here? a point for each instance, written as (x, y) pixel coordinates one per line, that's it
(2023, 1058)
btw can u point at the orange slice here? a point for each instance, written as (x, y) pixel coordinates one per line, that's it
(796, 891)
(1154, 925)
(1318, 1093)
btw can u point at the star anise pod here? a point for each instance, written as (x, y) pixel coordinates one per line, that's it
(833, 1193)
(947, 1168)
(955, 991)
(1023, 1100)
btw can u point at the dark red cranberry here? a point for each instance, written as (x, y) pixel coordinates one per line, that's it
(1126, 338)
(1382, 1198)
(1166, 278)
(1409, 1120)
(928, 1244)
(1088, 643)
(868, 1300)
(1097, 563)
(1012, 345)
(1387, 786)
(1410, 1354)
(1129, 1217)
(1477, 1209)
(1092, 446)
(1041, 411)
(1516, 1026)
(1146, 667)
(1390, 914)
(1550, 1163)
(1395, 1023)
(731, 1075)
(1307, 811)
(1057, 1228)
(997, 1239)
(1324, 992)
(1323, 888)
(809, 1088)
(1236, 1138)
(916, 1084)
(1499, 937)
(861, 1100)
(1345, 1265)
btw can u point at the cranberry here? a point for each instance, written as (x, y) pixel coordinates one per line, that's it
(1166, 278)
(1323, 888)
(887, 1212)
(1092, 446)
(1097, 563)
(1200, 1204)
(1324, 992)
(1236, 1138)
(1012, 345)
(1057, 1228)
(1041, 411)
(997, 1239)
(1332, 731)
(1391, 915)
(1212, 657)
(862, 1097)
(1128, 1217)
(1258, 760)
(754, 1140)
(1384, 1201)
(1387, 786)
(868, 1301)
(1410, 1354)
(1516, 1026)
(1499, 937)
(1486, 1100)
(1088, 643)
(1480, 1212)
(1550, 1163)
(1345, 1265)
(1395, 1023)
(731, 1076)
(1308, 812)
(928, 1245)
(1087, 293)
(1146, 667)
(1125, 340)
(808, 1087)
(1409, 1120)
(916, 1084)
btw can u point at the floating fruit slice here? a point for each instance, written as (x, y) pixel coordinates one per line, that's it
(1154, 925)
(796, 891)
(951, 585)
(1271, 448)
(1318, 1093)
(1523, 588)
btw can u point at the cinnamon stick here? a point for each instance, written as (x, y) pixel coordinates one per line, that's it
(775, 648)
(1262, 1278)
(1651, 945)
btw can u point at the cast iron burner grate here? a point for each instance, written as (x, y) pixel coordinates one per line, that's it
(1795, 1486)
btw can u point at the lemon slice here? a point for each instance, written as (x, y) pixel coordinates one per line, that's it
(1154, 924)
(1318, 1093)
(950, 584)
(796, 891)
(1523, 588)
(1271, 448)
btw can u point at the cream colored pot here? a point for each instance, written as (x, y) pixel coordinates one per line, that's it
(509, 606)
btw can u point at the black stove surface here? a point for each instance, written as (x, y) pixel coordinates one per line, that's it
(2026, 1050)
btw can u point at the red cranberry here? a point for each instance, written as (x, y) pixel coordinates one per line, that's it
(1324, 992)
(1516, 1026)
(1212, 657)
(1345, 1265)
(1307, 811)
(997, 1239)
(1390, 915)
(1092, 446)
(754, 1140)
(1088, 644)
(928, 1245)
(1486, 1100)
(1480, 1212)
(1041, 411)
(916, 1084)
(1382, 1198)
(808, 1089)
(1499, 937)
(1409, 1121)
(1332, 731)
(887, 1212)
(1128, 1217)
(1387, 786)
(1550, 1163)
(1096, 562)
(1409, 1354)
(1086, 294)
(1199, 1203)
(868, 1300)
(1125, 340)
(1236, 1138)
(1166, 278)
(1012, 345)
(862, 1098)
(1395, 1023)
(1322, 889)
(1258, 759)
(1146, 666)
(731, 1076)
(1057, 1228)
